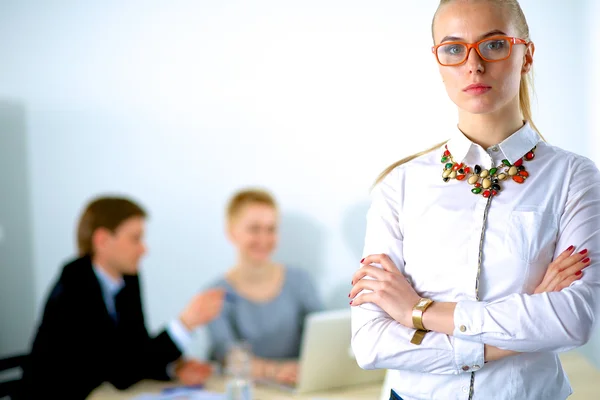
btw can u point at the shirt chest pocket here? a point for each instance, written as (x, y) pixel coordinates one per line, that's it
(531, 234)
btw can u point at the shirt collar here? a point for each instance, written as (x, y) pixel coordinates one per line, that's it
(513, 148)
(107, 282)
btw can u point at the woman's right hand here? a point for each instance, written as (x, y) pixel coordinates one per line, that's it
(563, 271)
(287, 372)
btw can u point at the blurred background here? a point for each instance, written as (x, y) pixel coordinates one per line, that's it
(179, 103)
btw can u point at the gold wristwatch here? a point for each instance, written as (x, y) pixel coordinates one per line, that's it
(417, 319)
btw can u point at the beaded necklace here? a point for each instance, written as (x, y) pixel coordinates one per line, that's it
(486, 182)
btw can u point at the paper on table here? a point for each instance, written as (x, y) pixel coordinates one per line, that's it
(183, 395)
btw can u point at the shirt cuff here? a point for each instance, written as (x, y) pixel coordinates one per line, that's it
(469, 356)
(179, 334)
(468, 320)
(171, 370)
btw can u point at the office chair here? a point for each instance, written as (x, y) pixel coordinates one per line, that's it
(10, 375)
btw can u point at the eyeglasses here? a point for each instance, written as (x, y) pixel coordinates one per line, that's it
(492, 49)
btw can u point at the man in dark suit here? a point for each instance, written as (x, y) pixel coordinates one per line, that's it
(93, 329)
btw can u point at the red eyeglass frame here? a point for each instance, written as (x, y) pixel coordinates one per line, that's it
(511, 40)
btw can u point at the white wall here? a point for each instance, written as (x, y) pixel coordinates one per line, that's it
(592, 105)
(179, 103)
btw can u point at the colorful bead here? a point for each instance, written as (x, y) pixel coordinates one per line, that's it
(489, 185)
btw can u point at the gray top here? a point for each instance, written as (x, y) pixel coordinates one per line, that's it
(273, 329)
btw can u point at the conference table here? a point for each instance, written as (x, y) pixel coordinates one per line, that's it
(261, 392)
(584, 378)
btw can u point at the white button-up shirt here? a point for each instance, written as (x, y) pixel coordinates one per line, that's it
(432, 229)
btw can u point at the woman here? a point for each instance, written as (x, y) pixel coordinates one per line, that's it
(270, 301)
(498, 209)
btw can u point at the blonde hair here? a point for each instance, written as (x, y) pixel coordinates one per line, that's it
(525, 87)
(248, 196)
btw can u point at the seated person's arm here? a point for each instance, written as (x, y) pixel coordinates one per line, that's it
(311, 300)
(147, 359)
(150, 358)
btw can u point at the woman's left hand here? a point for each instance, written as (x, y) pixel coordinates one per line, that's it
(391, 291)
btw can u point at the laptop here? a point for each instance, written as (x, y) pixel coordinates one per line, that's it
(326, 358)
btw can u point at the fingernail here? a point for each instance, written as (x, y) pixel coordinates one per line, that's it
(350, 302)
(348, 295)
(578, 273)
(585, 260)
(361, 261)
(582, 252)
(570, 248)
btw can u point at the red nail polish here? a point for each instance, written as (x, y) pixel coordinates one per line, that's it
(351, 302)
(578, 273)
(585, 260)
(361, 261)
(348, 295)
(570, 248)
(582, 252)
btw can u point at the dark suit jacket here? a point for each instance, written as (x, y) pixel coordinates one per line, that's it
(78, 346)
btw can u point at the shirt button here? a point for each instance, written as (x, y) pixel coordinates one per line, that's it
(463, 328)
(476, 367)
(465, 368)
(495, 148)
(465, 389)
